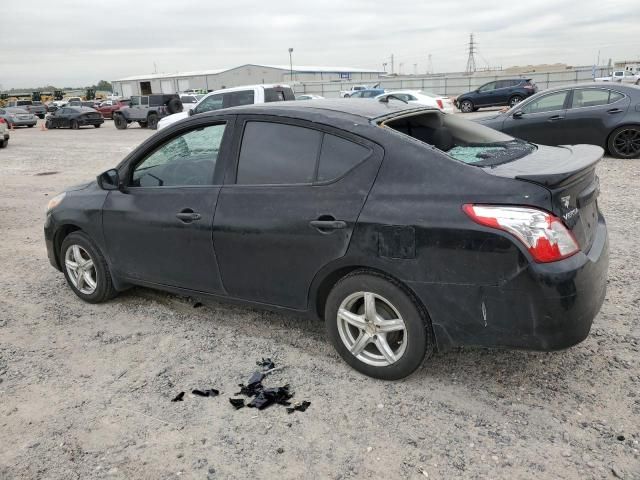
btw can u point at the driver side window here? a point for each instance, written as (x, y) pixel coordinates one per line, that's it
(186, 160)
(548, 103)
(488, 87)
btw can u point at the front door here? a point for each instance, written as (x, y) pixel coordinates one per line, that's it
(159, 229)
(290, 208)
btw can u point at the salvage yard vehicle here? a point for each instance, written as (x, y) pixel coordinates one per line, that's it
(18, 117)
(147, 110)
(496, 94)
(605, 114)
(108, 107)
(74, 118)
(419, 97)
(621, 76)
(36, 108)
(354, 88)
(4, 134)
(367, 93)
(405, 228)
(233, 97)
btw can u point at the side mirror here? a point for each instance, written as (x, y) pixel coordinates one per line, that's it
(191, 112)
(518, 114)
(109, 180)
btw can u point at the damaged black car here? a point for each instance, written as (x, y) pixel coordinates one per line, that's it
(406, 229)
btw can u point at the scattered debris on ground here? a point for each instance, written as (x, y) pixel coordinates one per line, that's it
(211, 392)
(179, 397)
(237, 403)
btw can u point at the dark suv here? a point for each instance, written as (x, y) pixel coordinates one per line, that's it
(147, 110)
(496, 94)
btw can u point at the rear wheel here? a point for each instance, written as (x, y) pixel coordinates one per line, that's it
(142, 124)
(48, 125)
(624, 142)
(119, 121)
(513, 101)
(97, 126)
(85, 269)
(377, 326)
(4, 143)
(74, 125)
(466, 106)
(152, 121)
(30, 126)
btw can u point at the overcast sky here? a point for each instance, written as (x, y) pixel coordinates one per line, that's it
(78, 42)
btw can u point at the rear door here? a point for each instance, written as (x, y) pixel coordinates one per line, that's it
(159, 231)
(289, 206)
(540, 120)
(278, 94)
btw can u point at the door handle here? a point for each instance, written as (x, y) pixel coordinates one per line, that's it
(187, 216)
(555, 118)
(615, 110)
(327, 224)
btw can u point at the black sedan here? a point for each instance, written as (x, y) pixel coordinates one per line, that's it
(406, 229)
(74, 118)
(603, 114)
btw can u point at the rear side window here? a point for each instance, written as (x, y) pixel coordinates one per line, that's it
(273, 95)
(338, 156)
(547, 103)
(275, 153)
(589, 97)
(235, 99)
(615, 96)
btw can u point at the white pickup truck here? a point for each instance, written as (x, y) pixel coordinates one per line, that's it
(354, 88)
(621, 76)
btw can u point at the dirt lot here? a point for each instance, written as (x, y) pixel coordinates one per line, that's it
(85, 390)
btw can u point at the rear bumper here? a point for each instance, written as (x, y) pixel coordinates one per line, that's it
(90, 121)
(544, 307)
(23, 123)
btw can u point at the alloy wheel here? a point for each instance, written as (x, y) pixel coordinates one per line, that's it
(372, 329)
(466, 106)
(81, 269)
(514, 101)
(627, 142)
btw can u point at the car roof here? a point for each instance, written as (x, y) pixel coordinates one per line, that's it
(81, 109)
(251, 87)
(16, 109)
(366, 109)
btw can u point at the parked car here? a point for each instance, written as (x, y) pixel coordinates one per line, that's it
(232, 97)
(352, 89)
(602, 114)
(190, 100)
(460, 235)
(147, 110)
(35, 108)
(107, 108)
(367, 93)
(74, 118)
(419, 97)
(621, 76)
(4, 133)
(51, 107)
(309, 96)
(18, 117)
(497, 94)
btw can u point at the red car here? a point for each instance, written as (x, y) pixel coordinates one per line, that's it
(107, 108)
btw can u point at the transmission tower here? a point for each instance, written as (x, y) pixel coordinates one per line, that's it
(471, 61)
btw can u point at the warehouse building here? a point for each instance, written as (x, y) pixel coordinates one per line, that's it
(232, 77)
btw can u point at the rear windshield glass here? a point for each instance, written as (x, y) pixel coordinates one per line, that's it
(465, 141)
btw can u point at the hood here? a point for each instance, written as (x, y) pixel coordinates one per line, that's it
(171, 119)
(80, 186)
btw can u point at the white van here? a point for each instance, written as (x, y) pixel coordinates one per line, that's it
(232, 97)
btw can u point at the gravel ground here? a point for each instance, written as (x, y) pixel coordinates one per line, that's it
(85, 389)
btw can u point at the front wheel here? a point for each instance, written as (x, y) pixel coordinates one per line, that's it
(97, 125)
(119, 121)
(377, 326)
(30, 126)
(624, 142)
(152, 121)
(513, 101)
(86, 269)
(74, 125)
(466, 106)
(4, 143)
(48, 124)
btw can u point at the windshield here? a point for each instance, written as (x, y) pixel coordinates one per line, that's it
(465, 141)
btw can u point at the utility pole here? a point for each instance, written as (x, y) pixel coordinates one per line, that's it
(384, 67)
(415, 68)
(400, 68)
(429, 65)
(598, 62)
(291, 65)
(471, 61)
(392, 69)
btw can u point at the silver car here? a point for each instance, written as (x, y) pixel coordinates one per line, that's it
(18, 117)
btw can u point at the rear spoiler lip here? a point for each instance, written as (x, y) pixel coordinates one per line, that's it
(556, 166)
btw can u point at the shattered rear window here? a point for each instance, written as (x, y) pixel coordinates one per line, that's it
(491, 154)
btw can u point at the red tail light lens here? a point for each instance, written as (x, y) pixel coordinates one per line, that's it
(440, 104)
(544, 234)
(2, 120)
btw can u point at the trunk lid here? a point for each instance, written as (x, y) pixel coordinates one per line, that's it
(569, 174)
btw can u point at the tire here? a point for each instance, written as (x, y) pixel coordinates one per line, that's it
(41, 116)
(142, 124)
(48, 125)
(4, 143)
(152, 121)
(119, 121)
(513, 101)
(98, 125)
(466, 106)
(174, 106)
(79, 244)
(406, 346)
(30, 126)
(624, 142)
(74, 125)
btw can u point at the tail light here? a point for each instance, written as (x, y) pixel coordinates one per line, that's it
(542, 233)
(439, 102)
(2, 120)
(528, 86)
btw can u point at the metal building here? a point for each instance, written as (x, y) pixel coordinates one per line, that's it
(232, 77)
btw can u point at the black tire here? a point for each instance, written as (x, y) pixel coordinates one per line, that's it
(74, 125)
(513, 101)
(173, 106)
(624, 142)
(417, 334)
(466, 106)
(4, 143)
(119, 121)
(104, 289)
(152, 121)
(48, 125)
(98, 125)
(41, 116)
(30, 126)
(142, 124)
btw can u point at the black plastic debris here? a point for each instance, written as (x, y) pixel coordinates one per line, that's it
(253, 386)
(211, 392)
(197, 305)
(179, 397)
(237, 403)
(269, 396)
(299, 407)
(266, 364)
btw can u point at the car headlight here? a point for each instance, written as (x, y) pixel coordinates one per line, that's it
(55, 201)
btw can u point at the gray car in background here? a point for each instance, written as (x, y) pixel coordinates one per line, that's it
(17, 117)
(603, 114)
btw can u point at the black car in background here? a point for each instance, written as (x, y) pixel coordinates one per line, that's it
(74, 118)
(496, 94)
(603, 114)
(405, 228)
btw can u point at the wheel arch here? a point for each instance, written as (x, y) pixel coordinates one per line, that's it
(61, 233)
(630, 124)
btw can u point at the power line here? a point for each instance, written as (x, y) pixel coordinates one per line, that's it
(471, 61)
